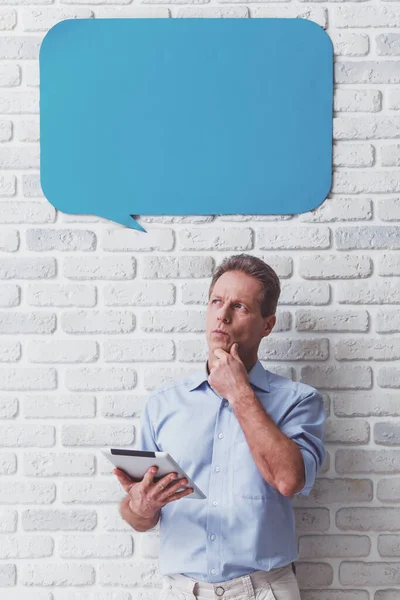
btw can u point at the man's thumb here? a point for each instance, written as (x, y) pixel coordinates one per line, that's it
(234, 349)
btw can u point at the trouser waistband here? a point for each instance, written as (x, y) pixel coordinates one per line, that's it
(247, 584)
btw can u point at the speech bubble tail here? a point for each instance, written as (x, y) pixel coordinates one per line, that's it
(129, 221)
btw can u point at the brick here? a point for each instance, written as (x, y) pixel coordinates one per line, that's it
(112, 520)
(20, 157)
(8, 19)
(393, 101)
(178, 219)
(214, 12)
(371, 237)
(387, 321)
(367, 461)
(27, 212)
(52, 464)
(8, 407)
(349, 44)
(27, 435)
(8, 463)
(369, 573)
(340, 209)
(357, 100)
(26, 546)
(360, 404)
(331, 266)
(132, 12)
(365, 128)
(138, 350)
(16, 102)
(54, 574)
(249, 217)
(363, 292)
(187, 267)
(142, 293)
(368, 519)
(388, 490)
(59, 406)
(125, 240)
(60, 295)
(19, 46)
(340, 491)
(312, 13)
(368, 349)
(8, 185)
(98, 321)
(8, 575)
(97, 435)
(28, 379)
(8, 520)
(390, 594)
(388, 44)
(346, 154)
(10, 296)
(30, 74)
(14, 594)
(43, 19)
(388, 265)
(95, 546)
(293, 238)
(212, 238)
(178, 321)
(58, 520)
(339, 378)
(130, 574)
(332, 320)
(27, 268)
(332, 546)
(27, 492)
(6, 130)
(286, 349)
(390, 155)
(62, 351)
(12, 322)
(389, 209)
(99, 267)
(387, 433)
(384, 71)
(122, 406)
(389, 545)
(10, 351)
(31, 187)
(98, 378)
(347, 431)
(27, 130)
(388, 377)
(315, 293)
(367, 16)
(312, 519)
(9, 240)
(90, 492)
(10, 75)
(336, 595)
(40, 240)
(313, 575)
(154, 379)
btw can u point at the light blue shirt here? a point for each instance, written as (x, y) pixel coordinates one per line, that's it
(244, 524)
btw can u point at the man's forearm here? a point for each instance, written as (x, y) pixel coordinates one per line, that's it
(278, 459)
(138, 523)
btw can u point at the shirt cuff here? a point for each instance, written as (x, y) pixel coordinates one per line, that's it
(310, 472)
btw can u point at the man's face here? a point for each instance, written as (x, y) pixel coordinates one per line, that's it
(234, 314)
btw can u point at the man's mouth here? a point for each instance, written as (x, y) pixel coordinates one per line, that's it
(220, 331)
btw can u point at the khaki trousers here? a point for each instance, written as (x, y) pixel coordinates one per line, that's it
(276, 584)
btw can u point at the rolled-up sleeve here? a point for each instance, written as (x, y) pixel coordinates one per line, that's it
(147, 435)
(305, 425)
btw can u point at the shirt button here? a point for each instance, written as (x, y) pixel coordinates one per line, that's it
(215, 503)
(226, 403)
(220, 435)
(213, 537)
(217, 469)
(213, 571)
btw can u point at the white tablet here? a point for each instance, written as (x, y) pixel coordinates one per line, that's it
(136, 462)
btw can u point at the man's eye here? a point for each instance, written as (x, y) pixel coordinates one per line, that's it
(215, 300)
(241, 305)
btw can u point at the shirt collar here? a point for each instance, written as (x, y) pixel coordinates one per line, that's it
(258, 377)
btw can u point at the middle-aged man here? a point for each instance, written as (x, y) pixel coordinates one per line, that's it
(248, 438)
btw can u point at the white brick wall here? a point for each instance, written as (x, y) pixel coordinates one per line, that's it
(93, 316)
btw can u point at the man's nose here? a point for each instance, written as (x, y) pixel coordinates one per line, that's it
(223, 314)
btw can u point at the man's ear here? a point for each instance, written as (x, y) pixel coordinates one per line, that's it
(269, 324)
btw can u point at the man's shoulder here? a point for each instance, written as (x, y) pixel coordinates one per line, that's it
(296, 388)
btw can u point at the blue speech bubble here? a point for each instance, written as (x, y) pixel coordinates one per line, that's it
(186, 116)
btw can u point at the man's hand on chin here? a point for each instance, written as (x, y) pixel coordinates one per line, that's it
(228, 374)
